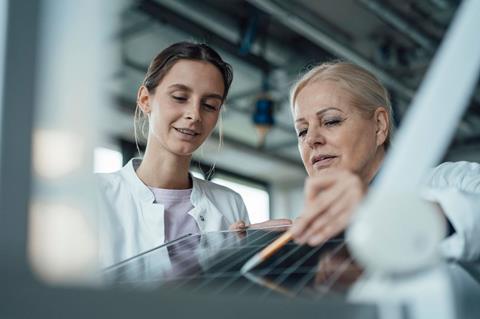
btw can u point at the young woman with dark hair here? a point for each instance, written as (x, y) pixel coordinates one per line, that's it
(155, 199)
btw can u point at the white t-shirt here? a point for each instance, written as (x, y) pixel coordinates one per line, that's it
(176, 204)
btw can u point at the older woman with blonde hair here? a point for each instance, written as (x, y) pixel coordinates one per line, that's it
(343, 119)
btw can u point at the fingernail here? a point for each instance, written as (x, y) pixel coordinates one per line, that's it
(315, 240)
(294, 231)
(300, 240)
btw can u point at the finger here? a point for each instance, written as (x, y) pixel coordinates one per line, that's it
(345, 205)
(238, 225)
(314, 185)
(241, 234)
(272, 223)
(312, 211)
(351, 197)
(316, 208)
(337, 207)
(329, 231)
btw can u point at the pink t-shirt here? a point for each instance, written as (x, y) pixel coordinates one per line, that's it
(176, 218)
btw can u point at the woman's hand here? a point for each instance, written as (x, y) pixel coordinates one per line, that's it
(241, 226)
(271, 223)
(330, 201)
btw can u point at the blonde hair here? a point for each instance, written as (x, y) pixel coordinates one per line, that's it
(367, 92)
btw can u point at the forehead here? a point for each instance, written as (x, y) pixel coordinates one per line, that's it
(195, 74)
(318, 95)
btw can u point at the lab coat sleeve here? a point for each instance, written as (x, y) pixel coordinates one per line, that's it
(456, 188)
(104, 223)
(242, 209)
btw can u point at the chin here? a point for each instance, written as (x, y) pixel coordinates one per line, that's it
(183, 151)
(320, 170)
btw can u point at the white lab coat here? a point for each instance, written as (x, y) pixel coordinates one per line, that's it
(130, 222)
(456, 187)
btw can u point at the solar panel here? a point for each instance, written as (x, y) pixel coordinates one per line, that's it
(211, 263)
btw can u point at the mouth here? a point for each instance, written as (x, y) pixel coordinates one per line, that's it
(322, 160)
(187, 131)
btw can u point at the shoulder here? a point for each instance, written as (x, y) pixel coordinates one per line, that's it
(463, 175)
(108, 179)
(109, 183)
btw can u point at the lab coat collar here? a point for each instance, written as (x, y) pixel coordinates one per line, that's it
(206, 214)
(143, 191)
(135, 183)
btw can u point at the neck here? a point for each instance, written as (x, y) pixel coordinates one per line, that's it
(162, 169)
(374, 168)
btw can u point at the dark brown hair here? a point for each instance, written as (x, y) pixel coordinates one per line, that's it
(164, 61)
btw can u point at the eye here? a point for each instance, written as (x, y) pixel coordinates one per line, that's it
(179, 98)
(210, 108)
(301, 133)
(333, 122)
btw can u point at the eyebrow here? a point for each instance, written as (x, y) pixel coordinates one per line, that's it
(188, 89)
(320, 113)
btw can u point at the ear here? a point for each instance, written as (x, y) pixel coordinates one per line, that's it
(382, 124)
(143, 100)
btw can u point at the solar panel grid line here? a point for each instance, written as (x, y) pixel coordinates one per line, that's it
(145, 252)
(306, 272)
(211, 262)
(312, 272)
(296, 266)
(301, 270)
(273, 269)
(230, 280)
(235, 274)
(129, 264)
(264, 272)
(264, 282)
(239, 275)
(293, 268)
(229, 266)
(327, 288)
(219, 261)
(179, 244)
(234, 277)
(205, 278)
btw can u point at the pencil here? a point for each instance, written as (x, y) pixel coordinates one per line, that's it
(265, 253)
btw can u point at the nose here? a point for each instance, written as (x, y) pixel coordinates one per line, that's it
(193, 112)
(314, 138)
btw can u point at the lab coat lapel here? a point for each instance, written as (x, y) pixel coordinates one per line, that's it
(207, 216)
(205, 213)
(153, 217)
(152, 213)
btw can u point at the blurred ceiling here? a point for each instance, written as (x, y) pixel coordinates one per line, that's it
(270, 42)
